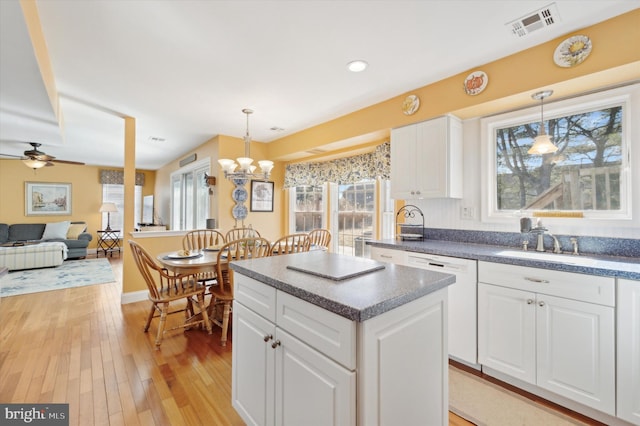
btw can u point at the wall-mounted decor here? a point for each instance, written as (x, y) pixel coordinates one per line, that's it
(475, 83)
(572, 51)
(410, 105)
(261, 196)
(45, 198)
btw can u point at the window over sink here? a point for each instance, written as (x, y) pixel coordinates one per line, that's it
(590, 172)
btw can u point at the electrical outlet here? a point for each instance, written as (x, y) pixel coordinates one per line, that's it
(467, 213)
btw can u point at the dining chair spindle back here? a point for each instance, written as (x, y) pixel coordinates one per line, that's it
(165, 288)
(244, 248)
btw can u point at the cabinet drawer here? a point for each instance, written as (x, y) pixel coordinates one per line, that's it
(570, 285)
(331, 334)
(256, 296)
(397, 257)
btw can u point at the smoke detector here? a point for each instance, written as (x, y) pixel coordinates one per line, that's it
(534, 21)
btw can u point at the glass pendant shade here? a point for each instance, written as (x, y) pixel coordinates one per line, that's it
(33, 163)
(542, 145)
(245, 163)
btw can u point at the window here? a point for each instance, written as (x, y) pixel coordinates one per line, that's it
(190, 197)
(114, 193)
(588, 173)
(308, 207)
(356, 217)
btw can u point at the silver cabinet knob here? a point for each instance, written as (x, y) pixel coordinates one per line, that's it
(529, 301)
(541, 303)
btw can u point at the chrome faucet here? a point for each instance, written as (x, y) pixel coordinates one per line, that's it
(540, 231)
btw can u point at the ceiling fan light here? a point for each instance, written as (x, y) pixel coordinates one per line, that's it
(32, 163)
(542, 145)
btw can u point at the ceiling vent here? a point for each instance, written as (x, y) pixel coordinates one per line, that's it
(534, 21)
(316, 151)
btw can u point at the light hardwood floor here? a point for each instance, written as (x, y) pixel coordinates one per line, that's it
(81, 346)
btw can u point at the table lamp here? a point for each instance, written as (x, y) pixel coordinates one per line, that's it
(109, 208)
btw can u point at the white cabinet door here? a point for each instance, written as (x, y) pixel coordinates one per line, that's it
(628, 320)
(311, 389)
(426, 159)
(403, 162)
(439, 156)
(253, 367)
(507, 331)
(576, 351)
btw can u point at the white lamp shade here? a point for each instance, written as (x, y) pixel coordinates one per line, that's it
(542, 145)
(266, 166)
(33, 163)
(108, 208)
(244, 162)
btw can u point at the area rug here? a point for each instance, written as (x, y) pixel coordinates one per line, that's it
(72, 273)
(486, 404)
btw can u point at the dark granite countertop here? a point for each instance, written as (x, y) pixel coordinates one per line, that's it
(608, 266)
(359, 298)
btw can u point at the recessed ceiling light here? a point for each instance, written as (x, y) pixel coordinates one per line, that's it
(357, 66)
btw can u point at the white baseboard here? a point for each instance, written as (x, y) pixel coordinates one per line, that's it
(133, 296)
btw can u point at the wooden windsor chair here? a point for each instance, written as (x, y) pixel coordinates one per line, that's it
(165, 288)
(244, 248)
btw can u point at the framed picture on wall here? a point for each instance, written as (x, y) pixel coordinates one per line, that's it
(261, 196)
(46, 198)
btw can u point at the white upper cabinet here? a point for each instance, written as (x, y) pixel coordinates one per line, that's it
(426, 159)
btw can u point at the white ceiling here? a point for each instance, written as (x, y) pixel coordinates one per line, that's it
(185, 69)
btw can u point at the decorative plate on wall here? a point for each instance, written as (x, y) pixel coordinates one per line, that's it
(239, 194)
(240, 212)
(573, 51)
(410, 105)
(475, 83)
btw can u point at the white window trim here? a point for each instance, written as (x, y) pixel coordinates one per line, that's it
(627, 96)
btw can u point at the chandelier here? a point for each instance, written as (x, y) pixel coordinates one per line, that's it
(243, 170)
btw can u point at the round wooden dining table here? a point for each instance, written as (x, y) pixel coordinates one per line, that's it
(204, 262)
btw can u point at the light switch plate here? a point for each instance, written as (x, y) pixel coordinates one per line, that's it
(467, 213)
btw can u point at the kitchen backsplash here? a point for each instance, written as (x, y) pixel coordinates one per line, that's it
(586, 244)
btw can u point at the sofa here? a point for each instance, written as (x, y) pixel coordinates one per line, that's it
(72, 234)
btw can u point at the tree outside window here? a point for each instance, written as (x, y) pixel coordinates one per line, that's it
(584, 174)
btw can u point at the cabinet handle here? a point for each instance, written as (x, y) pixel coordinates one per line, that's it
(417, 192)
(541, 303)
(386, 256)
(275, 344)
(529, 301)
(413, 192)
(537, 280)
(267, 337)
(440, 265)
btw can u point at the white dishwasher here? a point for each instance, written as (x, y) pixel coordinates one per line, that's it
(463, 323)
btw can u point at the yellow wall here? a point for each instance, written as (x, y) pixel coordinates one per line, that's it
(86, 192)
(268, 224)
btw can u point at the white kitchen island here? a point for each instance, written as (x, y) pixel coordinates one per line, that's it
(330, 350)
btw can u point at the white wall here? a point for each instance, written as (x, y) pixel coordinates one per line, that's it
(445, 213)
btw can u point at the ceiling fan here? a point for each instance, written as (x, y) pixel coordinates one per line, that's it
(35, 159)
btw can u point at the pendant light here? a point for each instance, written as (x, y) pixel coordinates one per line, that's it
(542, 143)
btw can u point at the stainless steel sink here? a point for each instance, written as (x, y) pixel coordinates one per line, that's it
(567, 259)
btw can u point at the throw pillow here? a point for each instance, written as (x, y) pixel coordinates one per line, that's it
(56, 230)
(75, 229)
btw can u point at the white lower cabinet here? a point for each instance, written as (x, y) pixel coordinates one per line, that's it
(629, 350)
(565, 345)
(295, 363)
